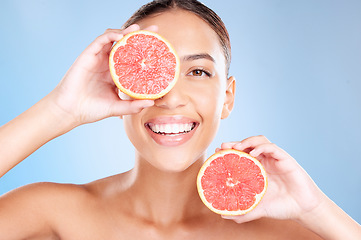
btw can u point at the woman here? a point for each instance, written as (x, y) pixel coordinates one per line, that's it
(157, 199)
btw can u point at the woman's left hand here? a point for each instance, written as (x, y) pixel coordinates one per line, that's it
(290, 193)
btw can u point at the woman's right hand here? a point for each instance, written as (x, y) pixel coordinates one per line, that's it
(87, 92)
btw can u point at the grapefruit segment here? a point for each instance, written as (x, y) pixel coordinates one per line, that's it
(231, 182)
(144, 65)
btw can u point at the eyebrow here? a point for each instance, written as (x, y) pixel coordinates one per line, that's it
(198, 56)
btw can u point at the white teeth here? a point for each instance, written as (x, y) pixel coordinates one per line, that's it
(156, 128)
(172, 128)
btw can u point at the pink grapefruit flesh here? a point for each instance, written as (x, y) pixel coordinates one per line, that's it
(144, 65)
(231, 182)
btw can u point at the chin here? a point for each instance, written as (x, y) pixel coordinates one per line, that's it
(176, 162)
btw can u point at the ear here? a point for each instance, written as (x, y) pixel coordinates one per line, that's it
(229, 98)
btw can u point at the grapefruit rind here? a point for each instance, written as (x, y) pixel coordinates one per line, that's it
(115, 77)
(221, 153)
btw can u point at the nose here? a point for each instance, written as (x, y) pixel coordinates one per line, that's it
(175, 98)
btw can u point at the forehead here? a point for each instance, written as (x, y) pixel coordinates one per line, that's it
(188, 33)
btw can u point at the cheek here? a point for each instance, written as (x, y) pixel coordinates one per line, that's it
(132, 130)
(210, 100)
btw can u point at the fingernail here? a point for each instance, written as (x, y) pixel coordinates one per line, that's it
(238, 145)
(253, 153)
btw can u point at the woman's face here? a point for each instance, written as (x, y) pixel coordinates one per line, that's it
(176, 131)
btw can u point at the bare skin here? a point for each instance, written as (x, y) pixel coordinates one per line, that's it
(157, 199)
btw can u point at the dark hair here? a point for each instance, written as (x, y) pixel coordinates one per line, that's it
(194, 6)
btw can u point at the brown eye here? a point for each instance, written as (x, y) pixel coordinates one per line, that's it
(197, 72)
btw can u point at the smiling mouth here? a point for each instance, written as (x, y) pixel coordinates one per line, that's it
(171, 129)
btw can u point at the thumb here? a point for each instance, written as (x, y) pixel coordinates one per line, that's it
(253, 215)
(126, 107)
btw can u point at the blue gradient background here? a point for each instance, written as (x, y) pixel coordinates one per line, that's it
(298, 70)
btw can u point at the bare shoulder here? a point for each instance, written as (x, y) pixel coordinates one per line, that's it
(44, 198)
(44, 194)
(34, 209)
(53, 210)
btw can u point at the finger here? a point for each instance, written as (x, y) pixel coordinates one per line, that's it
(239, 219)
(131, 28)
(122, 95)
(152, 28)
(248, 144)
(112, 35)
(270, 149)
(228, 145)
(127, 107)
(105, 40)
(255, 214)
(122, 32)
(109, 37)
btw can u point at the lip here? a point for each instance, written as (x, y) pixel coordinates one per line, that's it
(171, 139)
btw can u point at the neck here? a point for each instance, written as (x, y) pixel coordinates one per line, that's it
(165, 197)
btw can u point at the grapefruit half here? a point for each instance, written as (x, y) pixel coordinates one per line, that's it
(144, 65)
(231, 182)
